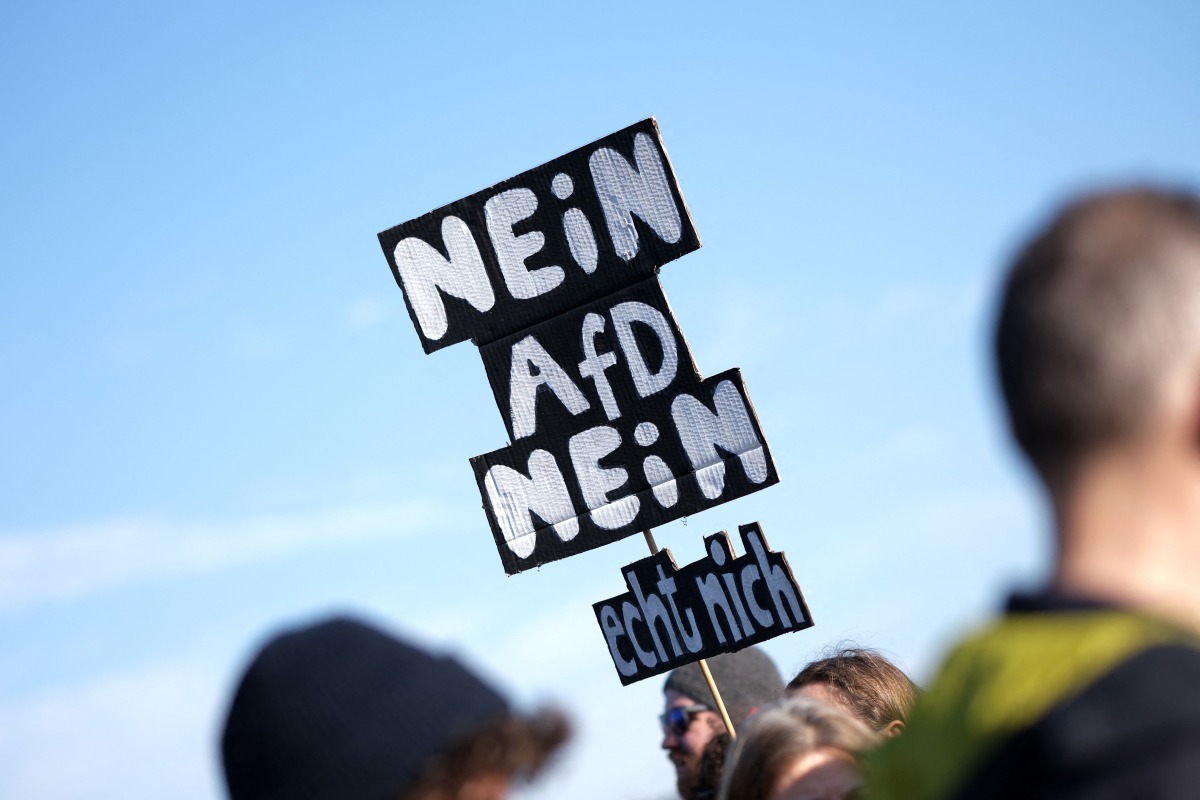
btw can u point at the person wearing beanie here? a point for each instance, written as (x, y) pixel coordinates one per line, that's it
(694, 735)
(340, 709)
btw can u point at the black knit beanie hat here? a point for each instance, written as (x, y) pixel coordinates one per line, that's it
(342, 710)
(747, 680)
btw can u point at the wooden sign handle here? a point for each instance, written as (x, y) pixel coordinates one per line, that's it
(708, 678)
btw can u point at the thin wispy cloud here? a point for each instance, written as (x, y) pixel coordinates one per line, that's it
(254, 344)
(906, 448)
(901, 302)
(71, 562)
(367, 312)
(163, 713)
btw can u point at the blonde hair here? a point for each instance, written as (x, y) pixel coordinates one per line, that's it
(777, 736)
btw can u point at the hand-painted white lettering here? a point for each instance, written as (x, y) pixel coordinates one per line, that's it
(424, 271)
(562, 186)
(623, 317)
(645, 434)
(629, 613)
(702, 431)
(502, 212)
(662, 481)
(779, 585)
(596, 482)
(750, 576)
(532, 367)
(624, 190)
(715, 599)
(693, 640)
(716, 552)
(611, 625)
(581, 239)
(594, 364)
(514, 497)
(654, 612)
(661, 599)
(731, 587)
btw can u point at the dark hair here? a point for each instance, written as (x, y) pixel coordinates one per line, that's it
(514, 746)
(1098, 310)
(874, 688)
(712, 766)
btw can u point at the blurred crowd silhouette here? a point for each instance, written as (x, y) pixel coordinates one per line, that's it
(1084, 688)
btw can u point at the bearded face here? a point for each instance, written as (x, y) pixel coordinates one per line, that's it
(712, 767)
(686, 747)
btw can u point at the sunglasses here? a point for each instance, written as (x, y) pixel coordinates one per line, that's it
(678, 719)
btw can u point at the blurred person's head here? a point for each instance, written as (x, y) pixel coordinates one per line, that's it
(694, 735)
(800, 749)
(1098, 353)
(342, 710)
(1098, 337)
(863, 682)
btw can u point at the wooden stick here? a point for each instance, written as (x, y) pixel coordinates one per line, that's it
(650, 542)
(712, 687)
(708, 678)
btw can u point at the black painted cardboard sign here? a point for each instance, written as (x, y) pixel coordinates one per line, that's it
(613, 430)
(553, 274)
(719, 604)
(575, 229)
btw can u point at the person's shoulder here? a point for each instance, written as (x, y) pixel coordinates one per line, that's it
(1007, 677)
(1134, 732)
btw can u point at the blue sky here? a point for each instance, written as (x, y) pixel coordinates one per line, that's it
(216, 416)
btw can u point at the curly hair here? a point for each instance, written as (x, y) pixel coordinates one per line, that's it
(513, 746)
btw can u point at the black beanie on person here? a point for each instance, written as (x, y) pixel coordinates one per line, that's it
(747, 681)
(342, 710)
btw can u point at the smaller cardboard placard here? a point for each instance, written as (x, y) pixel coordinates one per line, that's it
(555, 237)
(719, 604)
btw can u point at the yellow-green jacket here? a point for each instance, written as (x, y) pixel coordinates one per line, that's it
(1056, 699)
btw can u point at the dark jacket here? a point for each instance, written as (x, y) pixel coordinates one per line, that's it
(1057, 699)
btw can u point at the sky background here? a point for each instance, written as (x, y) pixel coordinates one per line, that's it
(216, 416)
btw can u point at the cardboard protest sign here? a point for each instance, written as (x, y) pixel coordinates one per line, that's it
(553, 274)
(720, 604)
(575, 229)
(613, 430)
